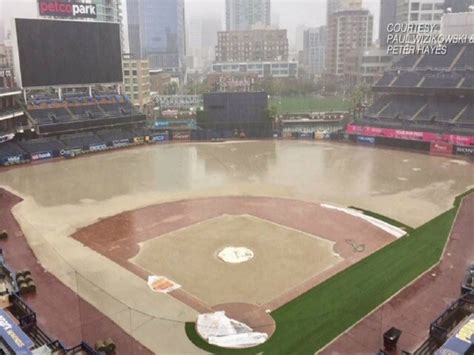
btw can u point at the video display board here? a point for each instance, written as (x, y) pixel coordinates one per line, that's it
(53, 53)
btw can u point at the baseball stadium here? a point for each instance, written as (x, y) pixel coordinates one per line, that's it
(236, 236)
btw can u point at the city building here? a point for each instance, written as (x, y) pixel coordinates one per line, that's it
(235, 82)
(314, 47)
(136, 78)
(202, 40)
(6, 54)
(156, 31)
(280, 69)
(12, 117)
(111, 11)
(255, 45)
(458, 23)
(299, 37)
(388, 14)
(458, 5)
(334, 6)
(348, 30)
(159, 81)
(366, 66)
(244, 15)
(420, 11)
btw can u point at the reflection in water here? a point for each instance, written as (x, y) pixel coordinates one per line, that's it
(335, 173)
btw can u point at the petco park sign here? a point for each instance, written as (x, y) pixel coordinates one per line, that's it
(67, 9)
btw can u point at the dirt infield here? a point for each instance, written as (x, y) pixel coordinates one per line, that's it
(65, 316)
(118, 238)
(414, 308)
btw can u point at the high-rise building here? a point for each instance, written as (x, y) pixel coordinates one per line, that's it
(156, 31)
(458, 23)
(366, 66)
(202, 40)
(314, 47)
(111, 11)
(388, 14)
(194, 33)
(299, 37)
(348, 30)
(459, 5)
(243, 15)
(255, 45)
(420, 11)
(340, 5)
(136, 79)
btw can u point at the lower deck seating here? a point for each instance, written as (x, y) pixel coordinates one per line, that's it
(441, 111)
(86, 112)
(403, 107)
(9, 149)
(51, 115)
(115, 134)
(80, 140)
(41, 145)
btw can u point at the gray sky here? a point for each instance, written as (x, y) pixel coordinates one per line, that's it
(291, 13)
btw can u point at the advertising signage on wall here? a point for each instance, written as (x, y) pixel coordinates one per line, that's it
(67, 9)
(441, 148)
(410, 135)
(13, 335)
(464, 150)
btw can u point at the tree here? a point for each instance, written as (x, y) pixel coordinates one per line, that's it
(171, 89)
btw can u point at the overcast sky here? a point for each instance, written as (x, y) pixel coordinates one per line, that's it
(291, 13)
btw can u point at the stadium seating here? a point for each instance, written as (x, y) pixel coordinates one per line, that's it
(406, 62)
(386, 79)
(8, 149)
(117, 108)
(80, 140)
(441, 80)
(432, 93)
(50, 115)
(467, 118)
(41, 145)
(86, 111)
(403, 107)
(468, 82)
(408, 79)
(111, 135)
(439, 61)
(441, 111)
(379, 104)
(465, 61)
(141, 132)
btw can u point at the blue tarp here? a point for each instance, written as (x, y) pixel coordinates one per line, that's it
(461, 341)
(13, 335)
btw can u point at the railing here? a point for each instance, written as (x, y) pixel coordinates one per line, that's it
(82, 348)
(441, 326)
(25, 315)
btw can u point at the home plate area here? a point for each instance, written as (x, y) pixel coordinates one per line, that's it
(235, 259)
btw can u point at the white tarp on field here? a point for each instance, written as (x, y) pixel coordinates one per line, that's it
(161, 284)
(222, 331)
(395, 231)
(235, 255)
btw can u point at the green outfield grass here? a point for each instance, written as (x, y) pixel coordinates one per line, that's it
(308, 103)
(312, 320)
